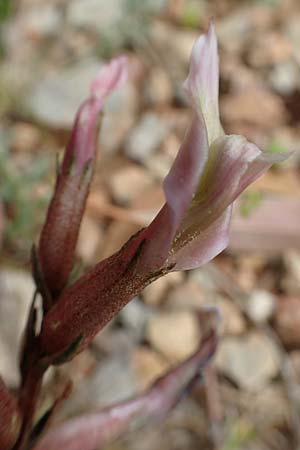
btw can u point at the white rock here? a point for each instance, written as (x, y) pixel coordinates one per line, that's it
(284, 77)
(260, 306)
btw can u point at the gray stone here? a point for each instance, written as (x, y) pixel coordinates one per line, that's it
(16, 290)
(119, 116)
(146, 137)
(251, 361)
(55, 99)
(112, 381)
(135, 317)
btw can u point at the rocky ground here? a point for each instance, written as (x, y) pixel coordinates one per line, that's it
(49, 52)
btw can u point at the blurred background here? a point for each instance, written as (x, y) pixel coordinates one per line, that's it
(49, 51)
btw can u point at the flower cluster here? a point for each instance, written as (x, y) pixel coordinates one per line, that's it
(209, 173)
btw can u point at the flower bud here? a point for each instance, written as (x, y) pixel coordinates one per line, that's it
(60, 232)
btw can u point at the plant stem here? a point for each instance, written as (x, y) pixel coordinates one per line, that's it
(29, 396)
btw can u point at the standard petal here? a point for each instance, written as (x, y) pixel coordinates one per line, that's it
(208, 244)
(202, 83)
(179, 187)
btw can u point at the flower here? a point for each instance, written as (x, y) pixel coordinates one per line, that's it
(60, 232)
(209, 173)
(211, 170)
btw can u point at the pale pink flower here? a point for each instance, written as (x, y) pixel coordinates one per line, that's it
(211, 170)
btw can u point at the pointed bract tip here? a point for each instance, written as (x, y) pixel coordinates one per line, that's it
(111, 76)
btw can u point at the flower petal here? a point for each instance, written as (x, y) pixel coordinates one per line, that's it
(179, 187)
(229, 161)
(259, 166)
(208, 244)
(202, 83)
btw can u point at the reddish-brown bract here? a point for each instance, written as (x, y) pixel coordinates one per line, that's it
(10, 420)
(86, 306)
(60, 232)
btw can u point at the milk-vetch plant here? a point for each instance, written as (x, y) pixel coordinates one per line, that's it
(209, 173)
